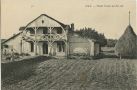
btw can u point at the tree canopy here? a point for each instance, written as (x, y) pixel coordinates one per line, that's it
(92, 34)
(111, 42)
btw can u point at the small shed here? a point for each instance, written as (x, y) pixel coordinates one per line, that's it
(80, 45)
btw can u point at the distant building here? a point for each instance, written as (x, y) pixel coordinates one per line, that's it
(47, 36)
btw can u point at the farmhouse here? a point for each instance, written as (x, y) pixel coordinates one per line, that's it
(47, 36)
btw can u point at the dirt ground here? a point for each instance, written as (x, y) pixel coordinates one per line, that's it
(64, 74)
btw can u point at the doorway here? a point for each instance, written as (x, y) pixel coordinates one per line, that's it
(45, 48)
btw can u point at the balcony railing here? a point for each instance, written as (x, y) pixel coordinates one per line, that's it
(45, 37)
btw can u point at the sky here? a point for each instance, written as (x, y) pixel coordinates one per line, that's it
(105, 16)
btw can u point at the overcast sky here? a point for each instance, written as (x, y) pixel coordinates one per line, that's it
(112, 21)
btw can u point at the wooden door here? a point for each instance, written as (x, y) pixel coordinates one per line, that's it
(45, 48)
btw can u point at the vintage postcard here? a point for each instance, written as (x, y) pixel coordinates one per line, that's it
(68, 45)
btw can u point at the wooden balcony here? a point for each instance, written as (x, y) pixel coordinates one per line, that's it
(44, 37)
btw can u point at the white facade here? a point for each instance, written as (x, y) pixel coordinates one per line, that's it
(14, 44)
(78, 44)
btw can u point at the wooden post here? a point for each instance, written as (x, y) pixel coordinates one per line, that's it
(21, 47)
(21, 43)
(66, 49)
(66, 45)
(35, 41)
(50, 42)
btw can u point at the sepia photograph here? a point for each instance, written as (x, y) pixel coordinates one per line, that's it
(68, 45)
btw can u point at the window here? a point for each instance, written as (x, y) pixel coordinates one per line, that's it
(45, 31)
(5, 46)
(31, 46)
(32, 31)
(42, 21)
(59, 31)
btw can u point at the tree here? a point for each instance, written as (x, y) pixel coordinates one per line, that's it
(111, 42)
(92, 34)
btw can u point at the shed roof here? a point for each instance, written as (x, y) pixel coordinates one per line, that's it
(12, 37)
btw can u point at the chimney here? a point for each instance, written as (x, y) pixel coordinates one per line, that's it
(14, 34)
(72, 27)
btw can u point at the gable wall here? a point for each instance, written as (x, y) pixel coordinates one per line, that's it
(97, 49)
(46, 22)
(14, 43)
(81, 45)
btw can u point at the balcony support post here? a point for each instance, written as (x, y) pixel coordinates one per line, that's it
(35, 41)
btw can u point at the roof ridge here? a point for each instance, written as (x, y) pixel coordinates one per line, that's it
(11, 37)
(63, 25)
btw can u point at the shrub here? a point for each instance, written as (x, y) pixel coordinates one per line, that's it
(84, 56)
(24, 54)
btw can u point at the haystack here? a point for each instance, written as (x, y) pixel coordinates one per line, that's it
(127, 45)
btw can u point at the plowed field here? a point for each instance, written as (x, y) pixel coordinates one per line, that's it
(63, 74)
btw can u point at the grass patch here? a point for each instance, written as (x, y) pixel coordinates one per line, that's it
(84, 57)
(14, 72)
